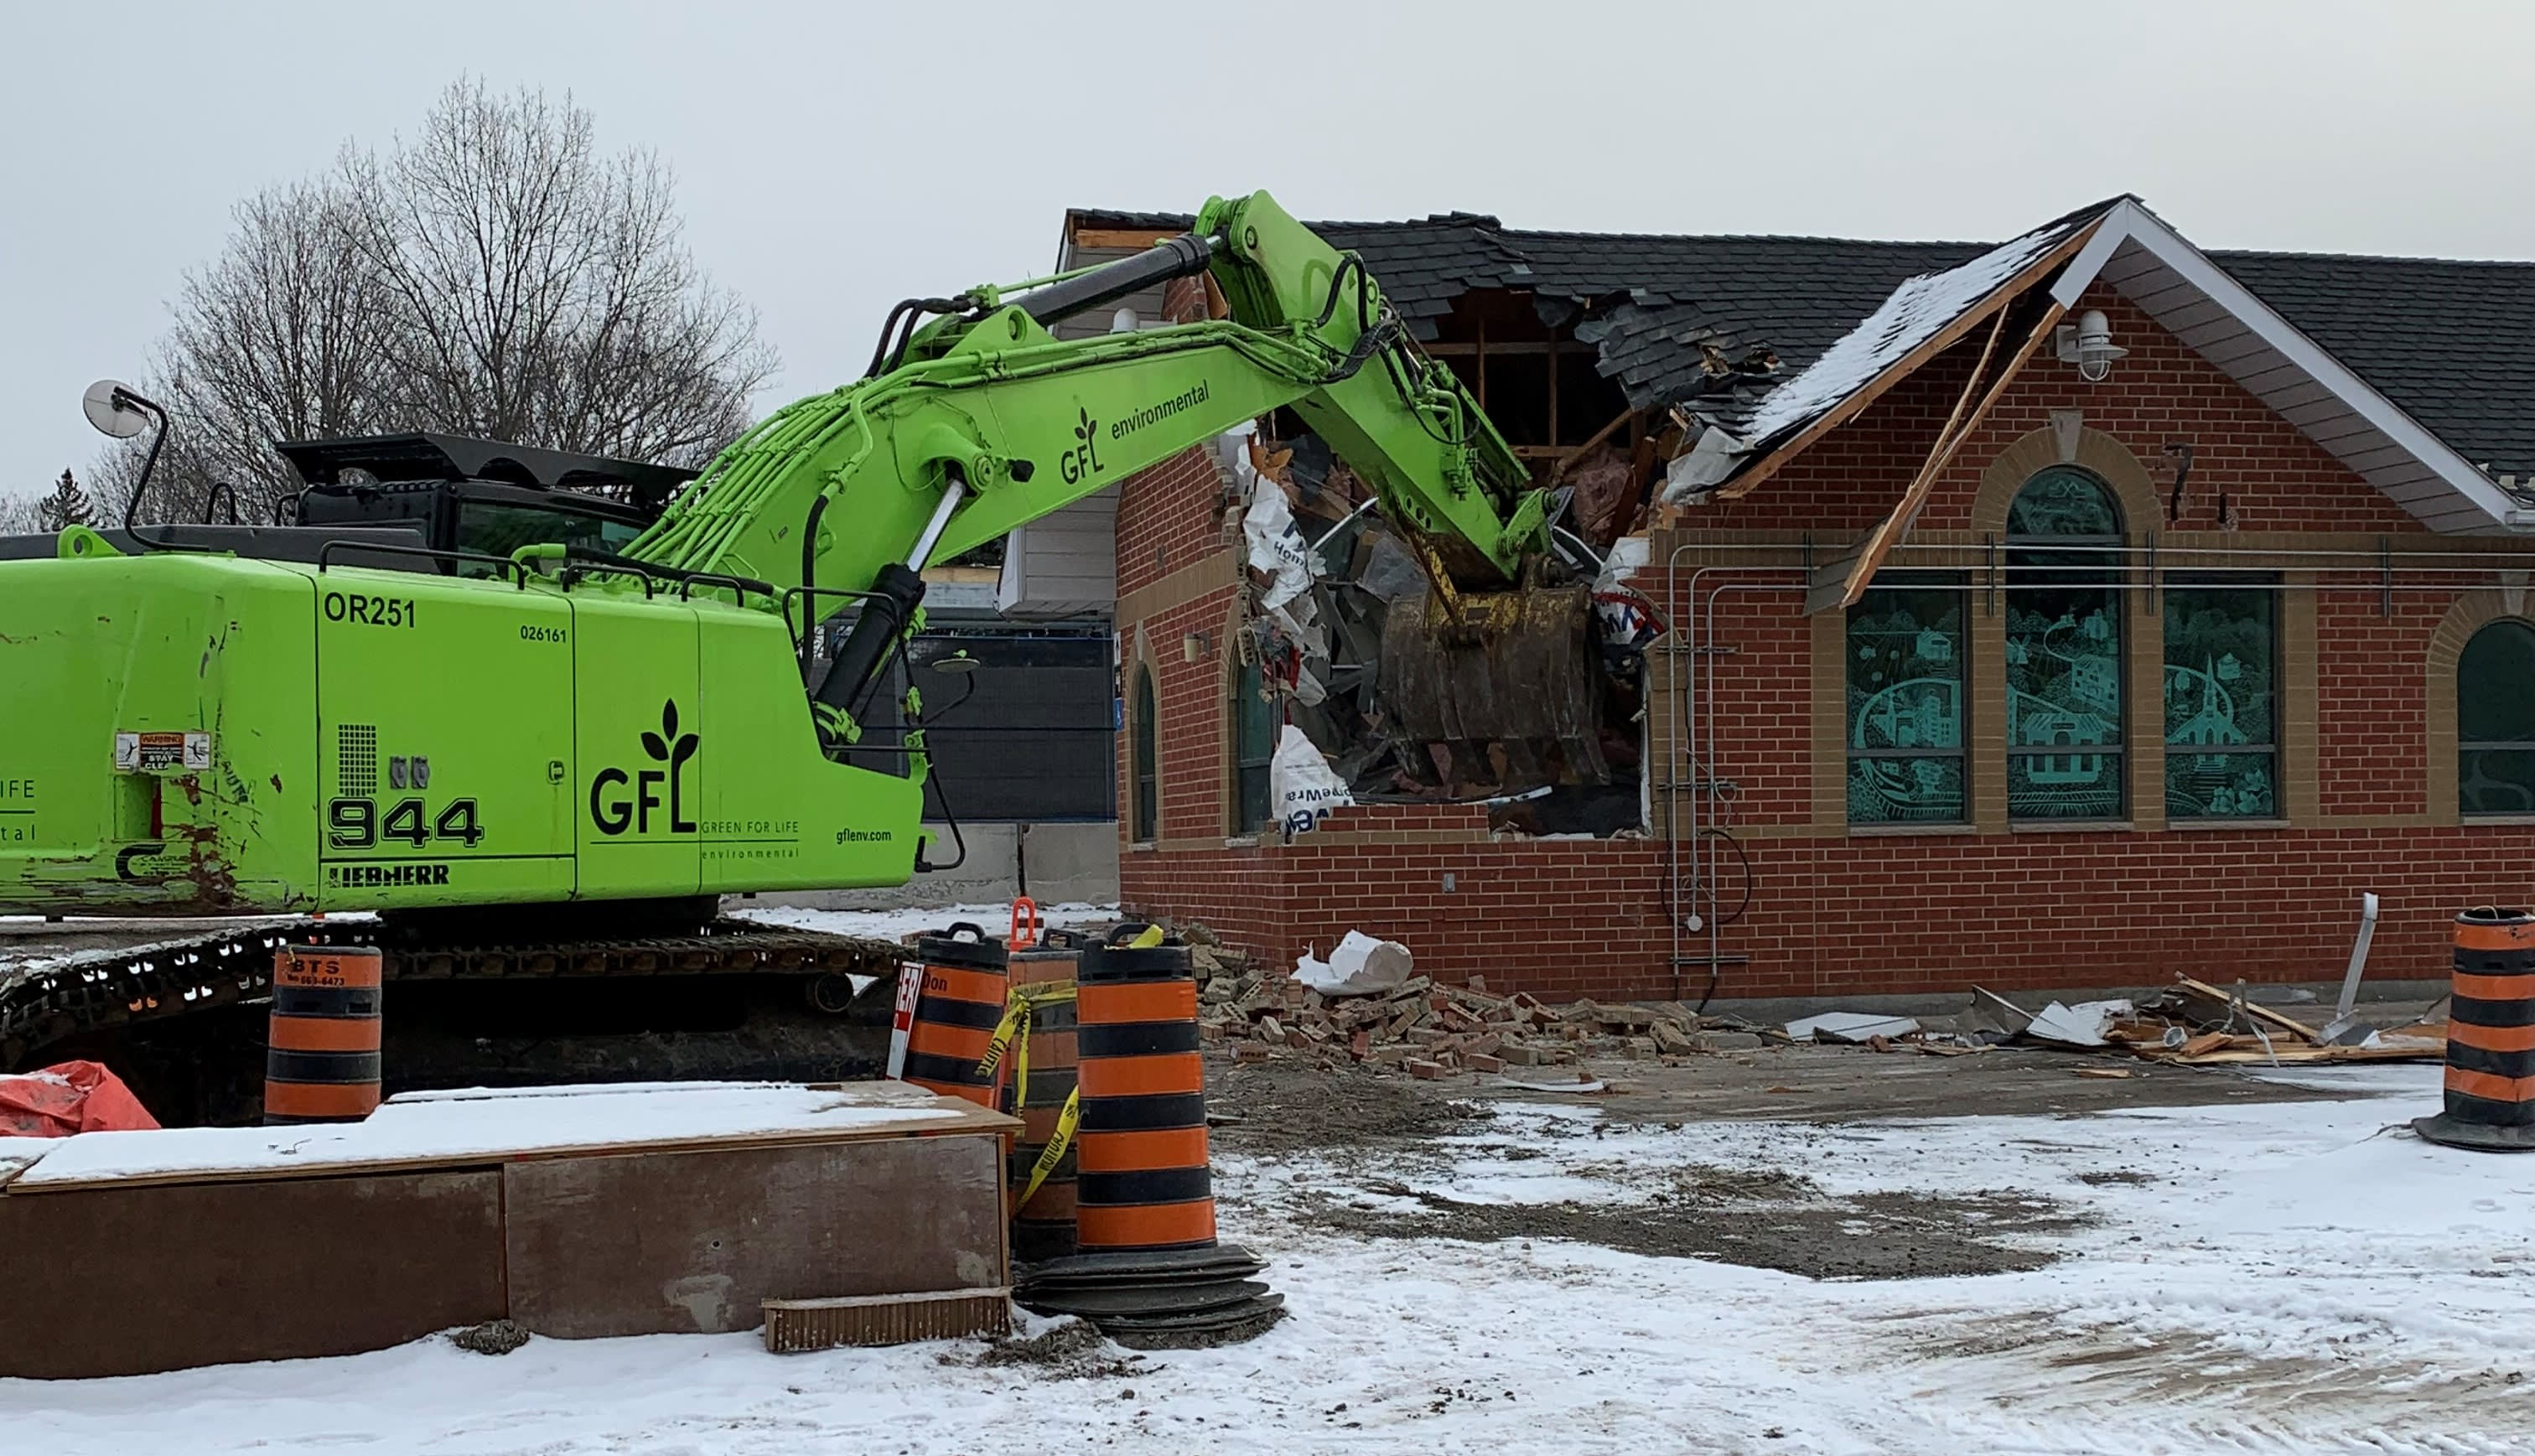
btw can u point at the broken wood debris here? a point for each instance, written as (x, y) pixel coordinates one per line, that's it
(2197, 1024)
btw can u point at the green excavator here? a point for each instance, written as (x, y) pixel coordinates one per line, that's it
(547, 767)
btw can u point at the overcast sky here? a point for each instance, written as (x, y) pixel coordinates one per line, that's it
(833, 158)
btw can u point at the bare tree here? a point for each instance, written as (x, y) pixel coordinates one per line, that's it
(532, 291)
(493, 274)
(19, 516)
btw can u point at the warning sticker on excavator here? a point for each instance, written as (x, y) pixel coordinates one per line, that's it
(161, 753)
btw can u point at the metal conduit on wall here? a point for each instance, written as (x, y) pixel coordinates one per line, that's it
(2137, 569)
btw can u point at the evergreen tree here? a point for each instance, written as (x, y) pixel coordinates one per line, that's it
(67, 506)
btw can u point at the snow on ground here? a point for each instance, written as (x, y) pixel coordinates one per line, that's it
(2290, 1277)
(891, 925)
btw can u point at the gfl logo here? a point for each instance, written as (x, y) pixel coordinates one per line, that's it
(1081, 460)
(618, 811)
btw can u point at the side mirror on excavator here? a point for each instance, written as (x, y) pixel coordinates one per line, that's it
(114, 410)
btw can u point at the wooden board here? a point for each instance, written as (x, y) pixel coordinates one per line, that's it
(129, 1281)
(2264, 1014)
(2298, 1053)
(683, 1243)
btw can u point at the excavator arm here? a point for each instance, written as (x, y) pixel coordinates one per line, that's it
(982, 420)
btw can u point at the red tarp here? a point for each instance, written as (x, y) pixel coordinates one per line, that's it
(69, 1097)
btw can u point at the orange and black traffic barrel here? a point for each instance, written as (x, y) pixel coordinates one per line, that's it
(956, 1012)
(1142, 1181)
(2491, 1036)
(1147, 1270)
(1040, 1090)
(321, 1060)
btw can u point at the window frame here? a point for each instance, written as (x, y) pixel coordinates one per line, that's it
(2465, 746)
(2063, 580)
(1143, 756)
(1894, 582)
(1249, 686)
(2268, 584)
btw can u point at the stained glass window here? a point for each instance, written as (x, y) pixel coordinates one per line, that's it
(2063, 649)
(1905, 702)
(2495, 720)
(1254, 718)
(2221, 711)
(1147, 804)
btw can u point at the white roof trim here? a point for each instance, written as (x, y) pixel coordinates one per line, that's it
(2130, 224)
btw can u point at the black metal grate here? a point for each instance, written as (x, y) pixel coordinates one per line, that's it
(356, 759)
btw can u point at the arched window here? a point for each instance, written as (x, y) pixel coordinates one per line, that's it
(1253, 742)
(2495, 720)
(1146, 804)
(2063, 649)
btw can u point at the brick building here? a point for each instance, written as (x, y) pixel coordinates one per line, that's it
(1993, 654)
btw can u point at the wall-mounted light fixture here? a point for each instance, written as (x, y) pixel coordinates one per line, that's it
(2088, 344)
(1197, 646)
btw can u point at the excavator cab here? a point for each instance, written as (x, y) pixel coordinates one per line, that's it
(481, 497)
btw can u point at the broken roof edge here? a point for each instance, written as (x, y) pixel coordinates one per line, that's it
(1732, 466)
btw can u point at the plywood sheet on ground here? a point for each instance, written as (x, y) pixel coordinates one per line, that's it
(479, 1127)
(124, 1281)
(699, 1241)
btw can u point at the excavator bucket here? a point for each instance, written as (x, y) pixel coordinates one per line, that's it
(1499, 688)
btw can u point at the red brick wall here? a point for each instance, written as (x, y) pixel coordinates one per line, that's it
(1755, 705)
(1839, 914)
(1168, 517)
(1863, 916)
(1192, 701)
(2371, 716)
(1938, 912)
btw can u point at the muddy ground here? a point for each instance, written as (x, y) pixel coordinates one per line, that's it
(1375, 1129)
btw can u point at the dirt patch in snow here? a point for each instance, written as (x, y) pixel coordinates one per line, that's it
(1764, 1218)
(1293, 1107)
(1067, 1350)
(493, 1337)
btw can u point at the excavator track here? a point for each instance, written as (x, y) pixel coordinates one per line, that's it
(81, 1002)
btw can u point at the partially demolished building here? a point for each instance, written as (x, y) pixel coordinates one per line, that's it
(2072, 611)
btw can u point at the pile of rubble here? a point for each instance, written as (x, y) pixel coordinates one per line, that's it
(1434, 1031)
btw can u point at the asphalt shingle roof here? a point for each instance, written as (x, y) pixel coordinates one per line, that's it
(1716, 321)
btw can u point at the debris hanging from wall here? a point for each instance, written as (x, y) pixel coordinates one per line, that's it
(1550, 737)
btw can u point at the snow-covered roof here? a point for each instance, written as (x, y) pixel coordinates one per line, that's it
(1916, 312)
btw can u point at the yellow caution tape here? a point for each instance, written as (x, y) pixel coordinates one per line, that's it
(1016, 1022)
(1011, 1033)
(1054, 1153)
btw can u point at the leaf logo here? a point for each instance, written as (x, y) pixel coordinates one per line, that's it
(1082, 461)
(657, 744)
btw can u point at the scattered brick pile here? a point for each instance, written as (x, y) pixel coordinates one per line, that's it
(1434, 1031)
